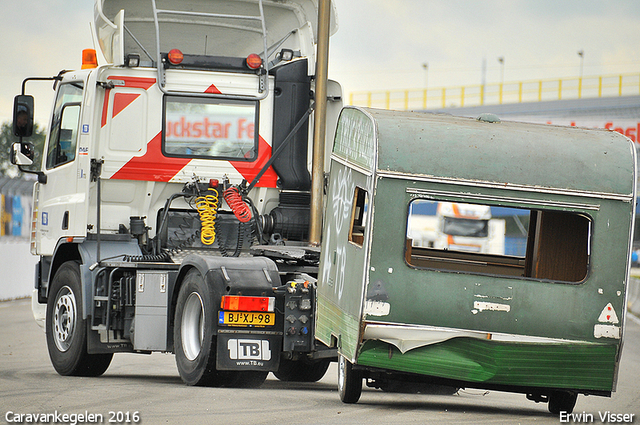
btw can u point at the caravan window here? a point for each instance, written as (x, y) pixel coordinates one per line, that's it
(210, 128)
(358, 216)
(476, 238)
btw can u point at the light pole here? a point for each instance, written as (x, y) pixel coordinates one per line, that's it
(483, 80)
(425, 66)
(501, 61)
(581, 54)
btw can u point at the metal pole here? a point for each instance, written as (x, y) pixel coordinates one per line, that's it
(320, 120)
(581, 54)
(501, 61)
(483, 80)
(426, 83)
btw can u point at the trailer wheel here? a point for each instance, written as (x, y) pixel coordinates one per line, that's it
(66, 329)
(302, 370)
(562, 401)
(349, 381)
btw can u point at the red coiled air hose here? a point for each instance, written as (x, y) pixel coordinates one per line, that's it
(241, 210)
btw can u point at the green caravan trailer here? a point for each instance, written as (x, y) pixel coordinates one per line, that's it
(544, 319)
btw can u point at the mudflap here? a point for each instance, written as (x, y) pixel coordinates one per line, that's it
(97, 345)
(248, 351)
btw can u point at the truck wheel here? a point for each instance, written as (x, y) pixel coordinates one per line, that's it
(302, 370)
(66, 329)
(195, 343)
(562, 401)
(349, 381)
(247, 379)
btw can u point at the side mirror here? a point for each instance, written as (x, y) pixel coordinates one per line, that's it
(22, 154)
(23, 116)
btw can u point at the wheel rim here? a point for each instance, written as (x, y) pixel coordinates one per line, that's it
(192, 327)
(64, 318)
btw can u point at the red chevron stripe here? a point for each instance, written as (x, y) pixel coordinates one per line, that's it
(152, 166)
(250, 170)
(213, 89)
(122, 100)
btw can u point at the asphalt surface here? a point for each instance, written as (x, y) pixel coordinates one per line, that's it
(147, 389)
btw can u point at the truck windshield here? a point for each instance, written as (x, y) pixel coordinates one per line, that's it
(210, 128)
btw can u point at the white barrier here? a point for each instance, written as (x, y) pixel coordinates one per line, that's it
(17, 266)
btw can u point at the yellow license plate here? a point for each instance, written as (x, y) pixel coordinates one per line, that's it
(241, 318)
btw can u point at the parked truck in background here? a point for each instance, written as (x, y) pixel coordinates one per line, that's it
(456, 226)
(172, 206)
(463, 227)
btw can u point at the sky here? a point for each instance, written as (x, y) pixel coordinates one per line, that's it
(380, 44)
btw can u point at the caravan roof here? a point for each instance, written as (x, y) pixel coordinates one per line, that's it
(501, 154)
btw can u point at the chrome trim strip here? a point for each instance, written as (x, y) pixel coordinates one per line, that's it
(491, 198)
(409, 337)
(507, 186)
(350, 164)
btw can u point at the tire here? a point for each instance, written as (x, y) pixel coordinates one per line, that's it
(302, 370)
(248, 379)
(349, 381)
(562, 401)
(66, 329)
(195, 343)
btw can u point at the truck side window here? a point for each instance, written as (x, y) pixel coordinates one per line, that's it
(63, 137)
(495, 240)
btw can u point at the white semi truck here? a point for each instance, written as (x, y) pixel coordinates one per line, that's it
(171, 212)
(456, 226)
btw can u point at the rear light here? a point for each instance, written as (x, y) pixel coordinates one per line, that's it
(254, 61)
(242, 303)
(175, 56)
(89, 59)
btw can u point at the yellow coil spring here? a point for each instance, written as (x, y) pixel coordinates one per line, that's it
(207, 207)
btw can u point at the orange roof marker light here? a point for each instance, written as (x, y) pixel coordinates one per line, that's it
(89, 59)
(175, 56)
(254, 61)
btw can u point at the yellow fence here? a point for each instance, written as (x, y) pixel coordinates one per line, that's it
(492, 94)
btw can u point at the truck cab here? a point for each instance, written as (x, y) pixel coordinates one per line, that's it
(463, 227)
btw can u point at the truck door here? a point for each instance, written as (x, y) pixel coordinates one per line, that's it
(58, 196)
